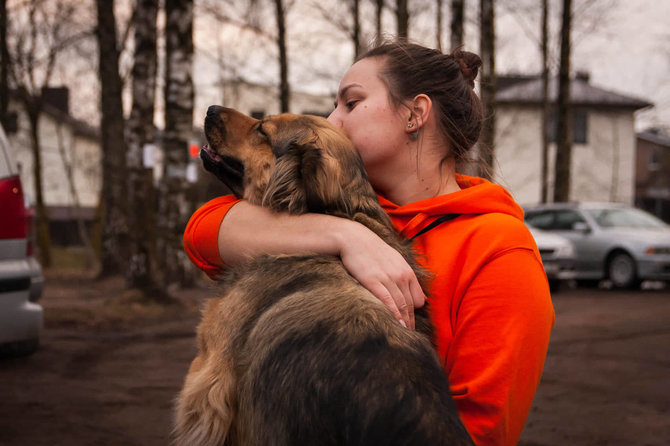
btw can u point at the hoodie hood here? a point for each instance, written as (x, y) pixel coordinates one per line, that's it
(477, 196)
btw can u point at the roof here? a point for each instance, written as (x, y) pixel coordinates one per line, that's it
(528, 90)
(655, 136)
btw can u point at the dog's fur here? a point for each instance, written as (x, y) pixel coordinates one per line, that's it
(296, 351)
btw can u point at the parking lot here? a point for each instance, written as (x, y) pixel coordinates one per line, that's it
(103, 378)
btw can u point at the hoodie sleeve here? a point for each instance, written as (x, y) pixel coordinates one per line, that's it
(201, 236)
(499, 344)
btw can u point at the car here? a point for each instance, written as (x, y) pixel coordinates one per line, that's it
(558, 257)
(613, 241)
(21, 318)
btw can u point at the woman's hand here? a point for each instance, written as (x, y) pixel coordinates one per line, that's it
(249, 230)
(383, 271)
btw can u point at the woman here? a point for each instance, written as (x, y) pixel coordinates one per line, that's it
(413, 115)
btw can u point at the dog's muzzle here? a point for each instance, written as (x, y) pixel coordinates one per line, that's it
(227, 169)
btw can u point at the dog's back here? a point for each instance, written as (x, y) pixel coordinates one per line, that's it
(321, 361)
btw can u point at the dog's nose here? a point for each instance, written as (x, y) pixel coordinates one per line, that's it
(214, 110)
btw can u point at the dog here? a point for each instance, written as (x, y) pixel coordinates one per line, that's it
(296, 351)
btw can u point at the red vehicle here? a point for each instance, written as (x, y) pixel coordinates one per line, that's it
(20, 274)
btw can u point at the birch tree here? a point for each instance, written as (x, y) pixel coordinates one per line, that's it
(179, 96)
(114, 199)
(142, 269)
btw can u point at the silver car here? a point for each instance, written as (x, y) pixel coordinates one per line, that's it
(613, 241)
(558, 257)
(20, 275)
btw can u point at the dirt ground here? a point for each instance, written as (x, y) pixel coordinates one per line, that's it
(110, 365)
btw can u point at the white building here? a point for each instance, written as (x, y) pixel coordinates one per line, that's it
(603, 150)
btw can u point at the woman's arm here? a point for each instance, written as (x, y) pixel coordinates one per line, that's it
(247, 231)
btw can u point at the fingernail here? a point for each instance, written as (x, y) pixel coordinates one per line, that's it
(403, 323)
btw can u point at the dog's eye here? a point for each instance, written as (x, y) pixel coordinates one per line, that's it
(260, 130)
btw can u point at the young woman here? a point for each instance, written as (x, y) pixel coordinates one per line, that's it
(413, 115)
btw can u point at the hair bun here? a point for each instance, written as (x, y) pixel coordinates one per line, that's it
(469, 63)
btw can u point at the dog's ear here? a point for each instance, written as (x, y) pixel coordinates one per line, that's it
(317, 170)
(306, 178)
(285, 192)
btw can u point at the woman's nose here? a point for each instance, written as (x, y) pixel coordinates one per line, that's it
(333, 119)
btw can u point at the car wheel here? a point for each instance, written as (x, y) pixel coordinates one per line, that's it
(622, 271)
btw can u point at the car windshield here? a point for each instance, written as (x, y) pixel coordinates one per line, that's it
(624, 218)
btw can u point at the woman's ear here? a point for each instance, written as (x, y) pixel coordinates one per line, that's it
(420, 109)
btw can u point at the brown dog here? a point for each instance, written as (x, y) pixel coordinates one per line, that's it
(296, 351)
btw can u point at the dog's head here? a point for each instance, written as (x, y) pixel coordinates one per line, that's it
(289, 163)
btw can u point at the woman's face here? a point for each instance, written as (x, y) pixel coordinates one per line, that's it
(374, 125)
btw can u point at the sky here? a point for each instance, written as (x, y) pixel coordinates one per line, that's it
(623, 44)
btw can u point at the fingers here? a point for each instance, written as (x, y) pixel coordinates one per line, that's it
(384, 295)
(416, 292)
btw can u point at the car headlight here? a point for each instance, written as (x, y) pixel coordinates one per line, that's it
(658, 250)
(567, 250)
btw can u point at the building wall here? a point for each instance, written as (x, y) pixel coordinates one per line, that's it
(653, 178)
(60, 146)
(602, 169)
(251, 98)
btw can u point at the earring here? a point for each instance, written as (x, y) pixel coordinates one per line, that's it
(410, 125)
(413, 136)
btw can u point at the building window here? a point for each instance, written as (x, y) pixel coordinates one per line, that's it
(579, 126)
(654, 159)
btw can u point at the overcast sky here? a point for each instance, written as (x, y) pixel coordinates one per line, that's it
(623, 44)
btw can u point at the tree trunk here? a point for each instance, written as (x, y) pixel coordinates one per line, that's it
(33, 107)
(402, 16)
(284, 89)
(457, 23)
(4, 66)
(179, 95)
(488, 87)
(142, 272)
(438, 24)
(356, 29)
(379, 8)
(564, 113)
(546, 103)
(114, 246)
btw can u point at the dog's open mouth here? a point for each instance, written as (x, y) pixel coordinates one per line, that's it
(226, 168)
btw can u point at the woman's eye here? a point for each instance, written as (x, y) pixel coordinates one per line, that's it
(351, 104)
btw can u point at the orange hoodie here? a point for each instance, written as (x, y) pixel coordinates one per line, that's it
(490, 300)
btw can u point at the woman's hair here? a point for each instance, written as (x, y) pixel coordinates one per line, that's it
(448, 79)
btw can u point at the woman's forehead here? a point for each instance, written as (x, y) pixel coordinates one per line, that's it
(364, 73)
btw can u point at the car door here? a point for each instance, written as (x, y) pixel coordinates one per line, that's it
(570, 224)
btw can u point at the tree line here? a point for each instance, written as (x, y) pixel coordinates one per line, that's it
(142, 223)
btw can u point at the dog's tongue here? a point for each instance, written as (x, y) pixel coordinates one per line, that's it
(212, 154)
